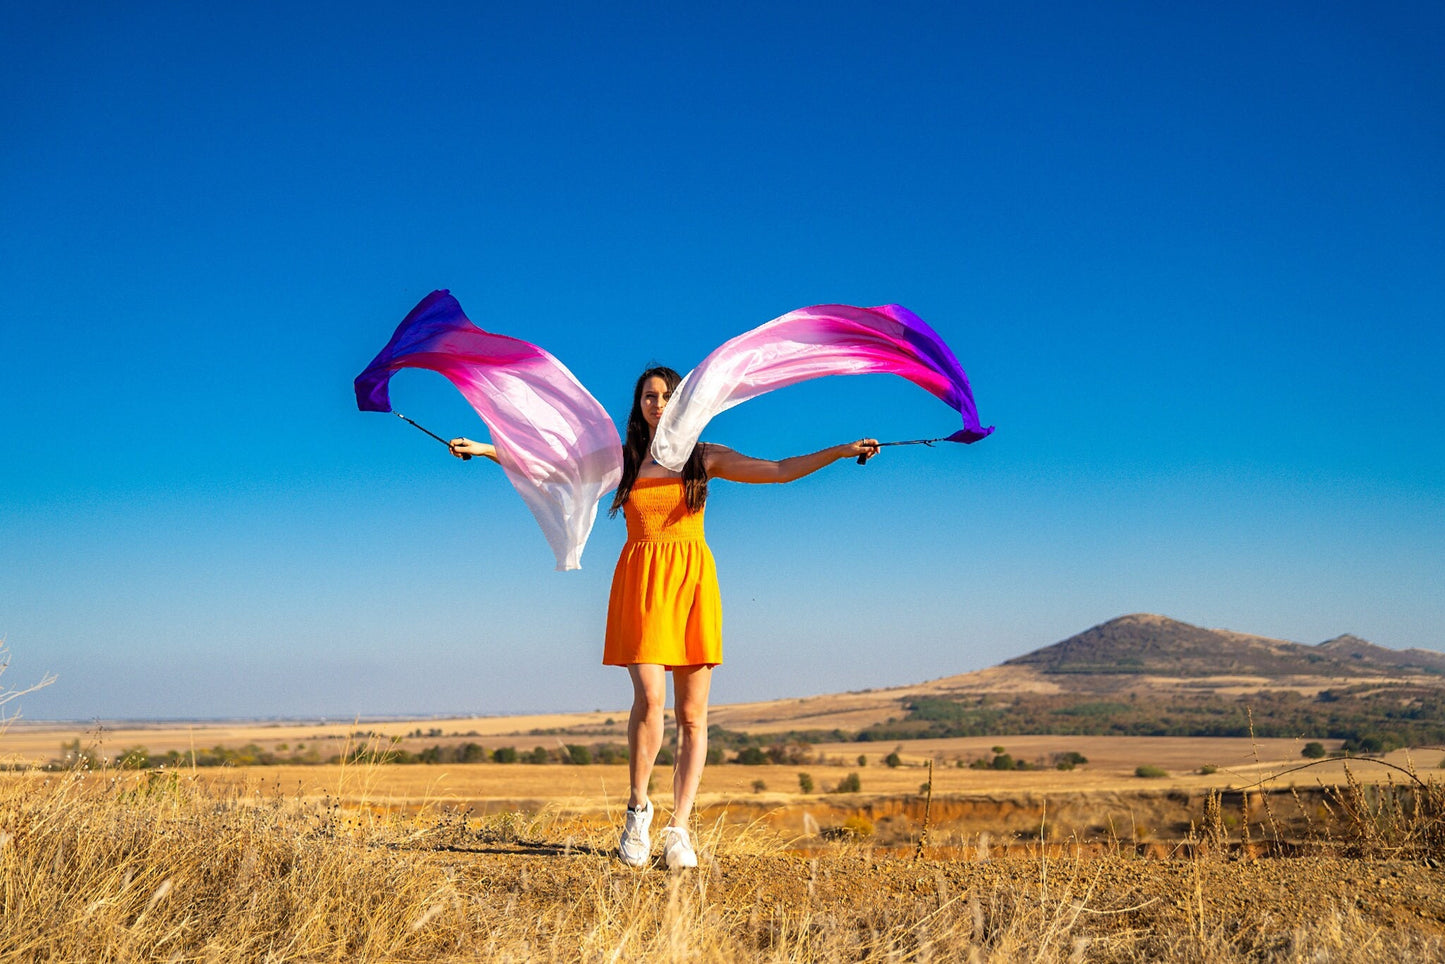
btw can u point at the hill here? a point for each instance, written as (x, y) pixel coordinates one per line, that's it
(1144, 643)
(1148, 675)
(1364, 653)
(1151, 657)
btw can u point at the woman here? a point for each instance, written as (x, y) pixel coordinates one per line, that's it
(664, 613)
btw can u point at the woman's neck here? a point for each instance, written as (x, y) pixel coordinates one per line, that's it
(650, 468)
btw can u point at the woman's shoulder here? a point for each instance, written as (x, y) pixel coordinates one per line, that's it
(711, 450)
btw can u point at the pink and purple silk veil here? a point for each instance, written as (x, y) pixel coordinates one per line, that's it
(557, 445)
(811, 343)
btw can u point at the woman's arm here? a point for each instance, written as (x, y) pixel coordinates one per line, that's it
(724, 463)
(464, 448)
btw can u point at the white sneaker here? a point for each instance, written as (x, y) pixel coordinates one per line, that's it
(636, 846)
(677, 849)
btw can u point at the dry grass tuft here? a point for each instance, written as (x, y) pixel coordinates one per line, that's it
(1391, 820)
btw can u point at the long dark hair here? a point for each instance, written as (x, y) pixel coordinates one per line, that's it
(634, 450)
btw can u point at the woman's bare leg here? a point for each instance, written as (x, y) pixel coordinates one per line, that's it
(644, 726)
(690, 686)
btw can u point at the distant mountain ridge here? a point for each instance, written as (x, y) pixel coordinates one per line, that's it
(1149, 644)
(1360, 652)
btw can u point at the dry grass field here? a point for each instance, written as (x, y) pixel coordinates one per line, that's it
(215, 866)
(1112, 762)
(35, 743)
(1229, 853)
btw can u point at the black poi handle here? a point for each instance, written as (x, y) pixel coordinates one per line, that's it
(429, 432)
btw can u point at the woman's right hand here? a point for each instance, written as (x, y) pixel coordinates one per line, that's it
(864, 449)
(465, 448)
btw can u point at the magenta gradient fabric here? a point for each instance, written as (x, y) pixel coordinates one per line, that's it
(557, 445)
(811, 343)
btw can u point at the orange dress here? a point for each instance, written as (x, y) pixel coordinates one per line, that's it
(665, 607)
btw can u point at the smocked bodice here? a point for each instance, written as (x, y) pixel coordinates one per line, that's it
(657, 512)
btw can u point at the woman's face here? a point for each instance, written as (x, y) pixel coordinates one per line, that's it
(655, 394)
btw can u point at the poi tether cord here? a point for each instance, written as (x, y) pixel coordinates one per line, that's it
(863, 459)
(428, 431)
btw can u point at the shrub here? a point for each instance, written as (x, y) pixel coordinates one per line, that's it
(751, 756)
(504, 754)
(1150, 772)
(759, 786)
(862, 760)
(1004, 761)
(714, 754)
(893, 759)
(1207, 769)
(1068, 760)
(805, 782)
(792, 753)
(578, 754)
(1373, 743)
(1313, 750)
(538, 755)
(849, 784)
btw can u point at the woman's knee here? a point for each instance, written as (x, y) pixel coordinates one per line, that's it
(649, 709)
(692, 695)
(692, 719)
(649, 693)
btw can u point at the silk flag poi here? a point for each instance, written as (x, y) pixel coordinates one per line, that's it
(557, 445)
(811, 343)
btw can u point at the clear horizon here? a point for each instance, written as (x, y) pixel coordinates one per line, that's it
(424, 715)
(1190, 258)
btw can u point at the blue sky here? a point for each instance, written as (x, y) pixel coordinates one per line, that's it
(1191, 256)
